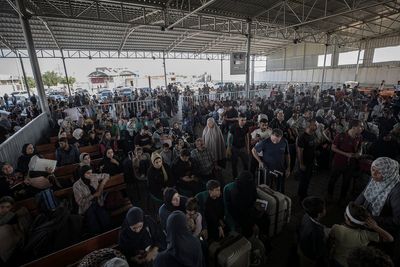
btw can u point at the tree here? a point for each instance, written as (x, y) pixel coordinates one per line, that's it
(31, 82)
(71, 80)
(51, 78)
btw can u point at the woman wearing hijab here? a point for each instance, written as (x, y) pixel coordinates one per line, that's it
(110, 164)
(88, 193)
(140, 237)
(214, 141)
(28, 151)
(381, 198)
(158, 176)
(172, 202)
(77, 138)
(183, 249)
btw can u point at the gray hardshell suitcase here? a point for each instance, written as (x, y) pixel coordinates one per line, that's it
(232, 251)
(278, 208)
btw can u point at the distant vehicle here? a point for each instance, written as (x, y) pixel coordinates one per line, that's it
(104, 94)
(81, 91)
(56, 96)
(127, 91)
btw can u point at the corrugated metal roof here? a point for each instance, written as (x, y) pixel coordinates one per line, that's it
(219, 27)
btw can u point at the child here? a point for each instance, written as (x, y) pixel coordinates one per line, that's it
(311, 234)
(193, 216)
(358, 229)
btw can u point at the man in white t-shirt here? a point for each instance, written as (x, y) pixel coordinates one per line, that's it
(261, 133)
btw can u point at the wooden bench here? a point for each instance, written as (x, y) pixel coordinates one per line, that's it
(72, 255)
(69, 170)
(93, 151)
(116, 183)
(45, 148)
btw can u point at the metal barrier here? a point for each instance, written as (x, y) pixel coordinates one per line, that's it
(228, 95)
(31, 133)
(117, 110)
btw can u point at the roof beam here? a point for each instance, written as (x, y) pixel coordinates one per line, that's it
(50, 31)
(204, 5)
(4, 41)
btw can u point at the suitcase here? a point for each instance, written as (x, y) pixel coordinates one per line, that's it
(266, 177)
(278, 208)
(232, 251)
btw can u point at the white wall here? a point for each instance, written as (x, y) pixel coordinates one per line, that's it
(371, 75)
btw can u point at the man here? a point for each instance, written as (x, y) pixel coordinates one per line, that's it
(230, 117)
(261, 133)
(347, 148)
(257, 135)
(184, 172)
(158, 136)
(305, 147)
(203, 159)
(66, 154)
(279, 123)
(238, 144)
(144, 139)
(214, 211)
(275, 158)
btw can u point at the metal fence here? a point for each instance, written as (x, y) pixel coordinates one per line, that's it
(31, 133)
(119, 109)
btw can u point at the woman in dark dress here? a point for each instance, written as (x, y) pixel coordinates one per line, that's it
(110, 164)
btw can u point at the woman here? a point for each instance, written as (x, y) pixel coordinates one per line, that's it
(382, 199)
(77, 138)
(172, 202)
(158, 176)
(28, 151)
(140, 237)
(214, 141)
(107, 142)
(88, 193)
(183, 249)
(141, 163)
(110, 165)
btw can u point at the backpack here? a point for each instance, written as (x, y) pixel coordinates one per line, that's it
(52, 232)
(258, 253)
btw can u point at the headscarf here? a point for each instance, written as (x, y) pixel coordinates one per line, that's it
(169, 193)
(182, 245)
(129, 240)
(153, 158)
(24, 159)
(376, 193)
(77, 133)
(82, 172)
(81, 157)
(214, 140)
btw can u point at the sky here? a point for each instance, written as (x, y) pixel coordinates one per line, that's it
(80, 68)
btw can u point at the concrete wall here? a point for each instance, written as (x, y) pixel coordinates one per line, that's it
(366, 75)
(299, 63)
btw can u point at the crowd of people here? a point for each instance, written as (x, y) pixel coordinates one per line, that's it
(202, 173)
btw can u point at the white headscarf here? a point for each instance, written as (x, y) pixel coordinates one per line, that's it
(376, 193)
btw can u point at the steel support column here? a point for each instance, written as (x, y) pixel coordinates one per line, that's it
(32, 56)
(222, 69)
(324, 68)
(358, 63)
(252, 70)
(65, 71)
(165, 72)
(248, 58)
(24, 75)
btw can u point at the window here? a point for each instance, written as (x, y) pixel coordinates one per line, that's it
(321, 60)
(349, 58)
(386, 54)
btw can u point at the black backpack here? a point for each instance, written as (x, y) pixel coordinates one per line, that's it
(52, 232)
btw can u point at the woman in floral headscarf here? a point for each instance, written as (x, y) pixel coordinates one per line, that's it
(382, 199)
